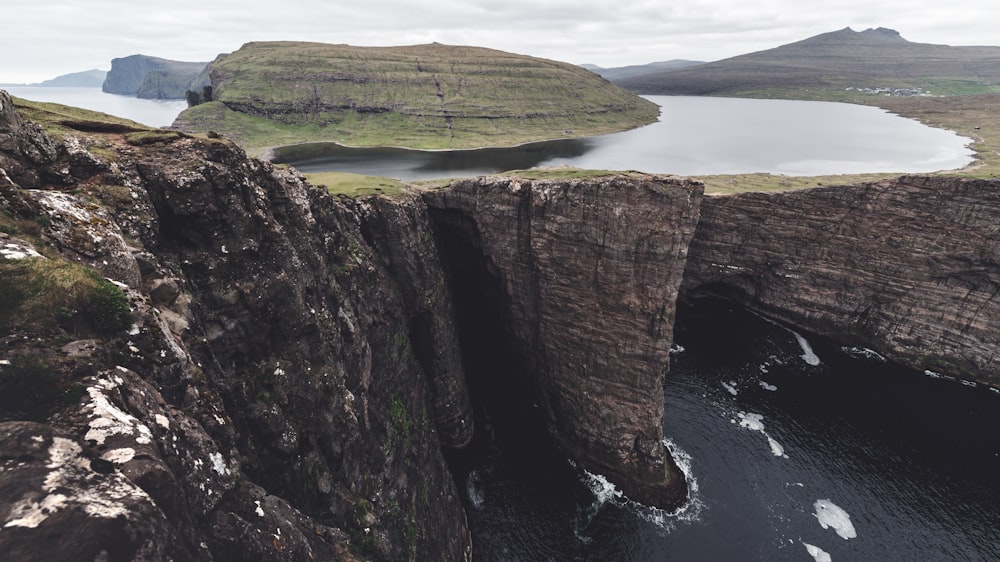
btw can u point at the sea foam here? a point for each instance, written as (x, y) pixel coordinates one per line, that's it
(831, 516)
(818, 554)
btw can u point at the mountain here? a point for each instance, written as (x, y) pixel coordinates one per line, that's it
(151, 77)
(86, 79)
(835, 61)
(421, 96)
(621, 72)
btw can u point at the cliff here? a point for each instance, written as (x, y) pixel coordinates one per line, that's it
(420, 96)
(580, 278)
(203, 357)
(206, 358)
(263, 400)
(151, 77)
(908, 267)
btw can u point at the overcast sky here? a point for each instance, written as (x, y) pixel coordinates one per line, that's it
(41, 39)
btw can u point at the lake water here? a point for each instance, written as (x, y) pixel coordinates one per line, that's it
(153, 113)
(694, 136)
(795, 447)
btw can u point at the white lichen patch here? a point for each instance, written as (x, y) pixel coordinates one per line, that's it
(107, 419)
(259, 510)
(119, 456)
(15, 250)
(162, 421)
(218, 463)
(71, 484)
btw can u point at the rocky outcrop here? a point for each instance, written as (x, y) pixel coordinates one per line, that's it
(586, 275)
(151, 77)
(267, 402)
(907, 267)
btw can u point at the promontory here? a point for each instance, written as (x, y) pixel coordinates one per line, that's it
(424, 96)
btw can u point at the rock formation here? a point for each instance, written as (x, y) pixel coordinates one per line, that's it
(292, 365)
(151, 77)
(259, 370)
(908, 267)
(587, 273)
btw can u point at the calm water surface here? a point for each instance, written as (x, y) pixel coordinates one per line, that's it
(154, 113)
(795, 448)
(694, 136)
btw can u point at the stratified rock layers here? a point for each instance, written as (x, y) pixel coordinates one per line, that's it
(908, 267)
(591, 271)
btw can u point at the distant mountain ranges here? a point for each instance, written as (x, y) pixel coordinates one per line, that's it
(877, 61)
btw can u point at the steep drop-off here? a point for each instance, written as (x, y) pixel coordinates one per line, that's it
(274, 371)
(587, 272)
(151, 77)
(908, 267)
(265, 404)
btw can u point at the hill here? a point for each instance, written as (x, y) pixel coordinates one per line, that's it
(86, 79)
(622, 72)
(151, 77)
(423, 96)
(835, 61)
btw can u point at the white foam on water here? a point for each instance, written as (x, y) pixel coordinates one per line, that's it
(776, 448)
(807, 352)
(474, 489)
(755, 422)
(831, 516)
(818, 554)
(808, 355)
(731, 387)
(765, 386)
(751, 421)
(864, 353)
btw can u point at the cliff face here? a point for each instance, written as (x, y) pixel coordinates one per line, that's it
(151, 77)
(267, 402)
(582, 277)
(909, 267)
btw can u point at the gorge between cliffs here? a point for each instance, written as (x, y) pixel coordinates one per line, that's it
(298, 365)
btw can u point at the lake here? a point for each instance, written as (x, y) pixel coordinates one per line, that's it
(694, 136)
(153, 113)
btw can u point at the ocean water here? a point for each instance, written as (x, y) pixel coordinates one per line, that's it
(153, 113)
(796, 449)
(694, 136)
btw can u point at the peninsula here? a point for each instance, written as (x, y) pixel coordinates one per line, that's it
(423, 96)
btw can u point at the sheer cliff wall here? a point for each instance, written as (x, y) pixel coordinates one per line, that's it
(907, 267)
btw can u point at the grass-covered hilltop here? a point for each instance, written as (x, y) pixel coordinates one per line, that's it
(424, 96)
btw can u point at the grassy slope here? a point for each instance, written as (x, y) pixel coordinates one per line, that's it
(424, 96)
(832, 62)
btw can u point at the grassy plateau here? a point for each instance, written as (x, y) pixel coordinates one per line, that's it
(425, 96)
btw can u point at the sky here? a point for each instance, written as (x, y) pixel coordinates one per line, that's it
(41, 39)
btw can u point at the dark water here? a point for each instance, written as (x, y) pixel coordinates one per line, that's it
(694, 136)
(903, 464)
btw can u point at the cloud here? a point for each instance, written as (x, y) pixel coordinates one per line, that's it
(44, 38)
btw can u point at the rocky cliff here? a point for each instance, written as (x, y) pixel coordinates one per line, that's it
(203, 357)
(151, 77)
(907, 267)
(206, 358)
(264, 401)
(581, 279)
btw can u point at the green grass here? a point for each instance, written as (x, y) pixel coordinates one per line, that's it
(424, 96)
(356, 185)
(58, 119)
(48, 294)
